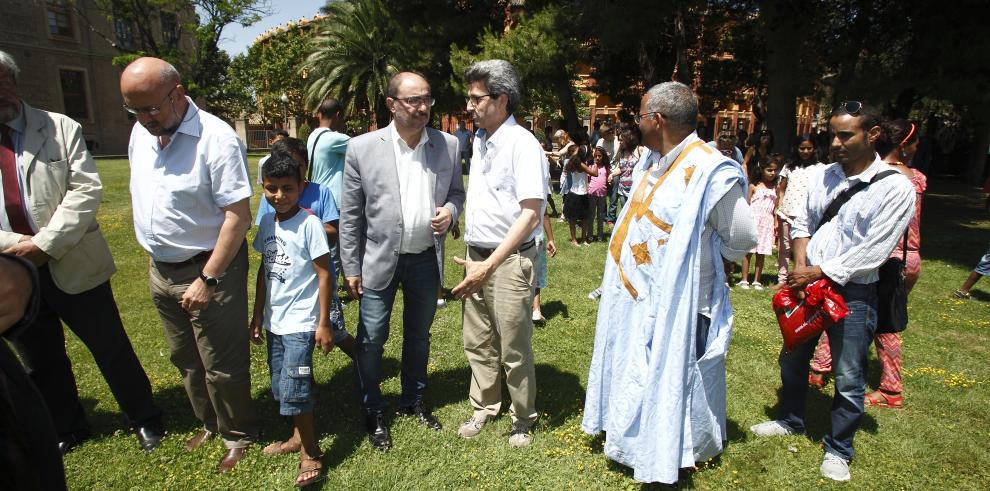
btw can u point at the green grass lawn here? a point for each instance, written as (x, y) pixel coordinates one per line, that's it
(939, 440)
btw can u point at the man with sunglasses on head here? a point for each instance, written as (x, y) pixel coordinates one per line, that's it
(656, 385)
(190, 191)
(51, 194)
(847, 247)
(402, 192)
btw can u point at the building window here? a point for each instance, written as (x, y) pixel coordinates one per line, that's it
(125, 33)
(73, 84)
(60, 19)
(170, 29)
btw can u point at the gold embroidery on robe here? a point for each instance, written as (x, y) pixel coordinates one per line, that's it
(688, 172)
(641, 253)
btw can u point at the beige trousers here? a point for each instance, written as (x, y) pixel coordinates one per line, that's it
(211, 347)
(498, 337)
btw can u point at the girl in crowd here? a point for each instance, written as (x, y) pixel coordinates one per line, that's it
(898, 143)
(597, 189)
(559, 157)
(762, 202)
(758, 149)
(576, 200)
(792, 195)
(628, 154)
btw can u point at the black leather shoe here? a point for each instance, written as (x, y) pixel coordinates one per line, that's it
(378, 433)
(149, 436)
(72, 440)
(424, 415)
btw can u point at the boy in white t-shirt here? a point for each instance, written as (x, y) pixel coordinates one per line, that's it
(292, 303)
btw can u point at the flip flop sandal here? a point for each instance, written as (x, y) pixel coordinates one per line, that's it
(880, 398)
(961, 294)
(314, 465)
(281, 448)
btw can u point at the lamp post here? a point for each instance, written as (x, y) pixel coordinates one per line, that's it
(285, 110)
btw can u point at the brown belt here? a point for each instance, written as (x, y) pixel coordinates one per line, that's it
(484, 253)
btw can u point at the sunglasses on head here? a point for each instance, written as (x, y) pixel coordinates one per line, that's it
(851, 107)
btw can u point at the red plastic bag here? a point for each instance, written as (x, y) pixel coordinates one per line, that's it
(801, 320)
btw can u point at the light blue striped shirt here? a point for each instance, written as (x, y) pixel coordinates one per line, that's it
(853, 245)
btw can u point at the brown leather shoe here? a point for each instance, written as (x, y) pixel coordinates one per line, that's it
(230, 459)
(200, 438)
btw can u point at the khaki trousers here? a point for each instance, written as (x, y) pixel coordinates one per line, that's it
(210, 347)
(498, 337)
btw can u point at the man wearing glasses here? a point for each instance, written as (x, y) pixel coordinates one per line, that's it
(190, 190)
(51, 194)
(507, 194)
(847, 246)
(656, 385)
(402, 191)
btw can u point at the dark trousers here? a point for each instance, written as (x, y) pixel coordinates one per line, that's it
(93, 317)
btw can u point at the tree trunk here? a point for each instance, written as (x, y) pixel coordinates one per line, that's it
(562, 87)
(782, 27)
(976, 166)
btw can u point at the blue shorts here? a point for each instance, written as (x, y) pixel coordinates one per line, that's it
(541, 262)
(290, 360)
(984, 267)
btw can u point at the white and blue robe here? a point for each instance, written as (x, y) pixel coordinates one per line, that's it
(663, 408)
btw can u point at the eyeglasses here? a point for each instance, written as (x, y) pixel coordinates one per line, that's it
(639, 117)
(851, 107)
(474, 100)
(151, 111)
(418, 100)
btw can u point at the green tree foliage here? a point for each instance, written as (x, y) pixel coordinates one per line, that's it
(353, 56)
(257, 79)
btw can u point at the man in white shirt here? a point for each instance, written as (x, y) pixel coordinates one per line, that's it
(402, 191)
(190, 190)
(506, 199)
(848, 249)
(464, 140)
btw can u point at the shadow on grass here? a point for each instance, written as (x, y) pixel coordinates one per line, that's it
(950, 216)
(818, 413)
(555, 308)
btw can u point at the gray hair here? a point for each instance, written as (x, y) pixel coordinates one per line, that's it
(676, 102)
(8, 65)
(499, 78)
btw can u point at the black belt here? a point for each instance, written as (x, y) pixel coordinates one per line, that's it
(202, 257)
(484, 253)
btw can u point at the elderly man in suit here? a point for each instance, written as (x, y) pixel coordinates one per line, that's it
(402, 191)
(51, 192)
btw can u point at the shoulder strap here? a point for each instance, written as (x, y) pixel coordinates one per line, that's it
(312, 154)
(843, 197)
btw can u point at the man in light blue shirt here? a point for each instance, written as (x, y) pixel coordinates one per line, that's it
(326, 146)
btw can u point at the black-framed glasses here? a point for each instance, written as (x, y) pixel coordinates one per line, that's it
(417, 100)
(151, 111)
(475, 99)
(851, 107)
(639, 117)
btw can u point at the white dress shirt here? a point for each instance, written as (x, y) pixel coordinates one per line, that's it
(507, 167)
(851, 246)
(179, 191)
(415, 195)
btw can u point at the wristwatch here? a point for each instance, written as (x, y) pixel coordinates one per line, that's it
(209, 280)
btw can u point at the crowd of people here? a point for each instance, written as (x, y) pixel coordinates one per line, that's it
(372, 214)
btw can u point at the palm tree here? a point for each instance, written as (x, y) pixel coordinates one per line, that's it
(355, 52)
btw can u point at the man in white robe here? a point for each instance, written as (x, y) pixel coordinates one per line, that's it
(657, 380)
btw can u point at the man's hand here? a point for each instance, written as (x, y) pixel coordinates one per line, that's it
(324, 339)
(15, 292)
(354, 286)
(551, 248)
(28, 250)
(476, 273)
(441, 221)
(255, 329)
(803, 276)
(197, 296)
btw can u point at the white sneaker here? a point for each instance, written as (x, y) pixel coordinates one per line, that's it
(441, 303)
(757, 285)
(772, 428)
(743, 284)
(538, 316)
(471, 428)
(835, 468)
(595, 294)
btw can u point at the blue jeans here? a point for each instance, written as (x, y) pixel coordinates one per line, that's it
(850, 341)
(290, 360)
(420, 278)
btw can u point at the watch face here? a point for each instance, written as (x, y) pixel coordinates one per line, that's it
(209, 281)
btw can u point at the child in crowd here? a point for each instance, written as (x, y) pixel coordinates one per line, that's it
(576, 200)
(762, 201)
(792, 196)
(317, 200)
(597, 190)
(564, 145)
(292, 303)
(544, 247)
